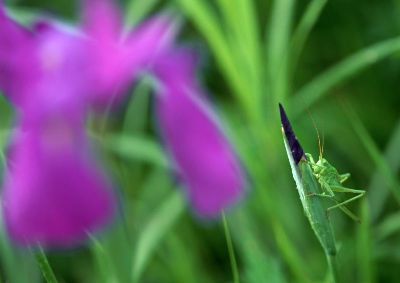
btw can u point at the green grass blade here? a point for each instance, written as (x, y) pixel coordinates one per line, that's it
(259, 264)
(230, 16)
(250, 28)
(292, 256)
(314, 209)
(184, 266)
(378, 194)
(23, 16)
(388, 227)
(9, 260)
(365, 246)
(45, 267)
(206, 21)
(302, 31)
(322, 84)
(105, 270)
(231, 251)
(137, 149)
(278, 47)
(152, 234)
(244, 40)
(137, 10)
(137, 113)
(374, 153)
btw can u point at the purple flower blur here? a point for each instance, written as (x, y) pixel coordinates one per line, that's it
(54, 194)
(115, 60)
(203, 157)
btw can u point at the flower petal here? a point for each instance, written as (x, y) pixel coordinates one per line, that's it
(115, 60)
(203, 156)
(54, 195)
(17, 65)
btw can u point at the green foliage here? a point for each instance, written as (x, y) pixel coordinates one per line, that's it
(306, 54)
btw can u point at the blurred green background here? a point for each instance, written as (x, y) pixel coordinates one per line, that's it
(334, 62)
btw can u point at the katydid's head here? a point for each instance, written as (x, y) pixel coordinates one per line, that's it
(318, 166)
(322, 162)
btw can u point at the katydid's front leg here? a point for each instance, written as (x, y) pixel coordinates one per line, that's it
(310, 158)
(339, 189)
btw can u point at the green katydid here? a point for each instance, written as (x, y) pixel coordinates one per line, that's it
(331, 181)
(327, 175)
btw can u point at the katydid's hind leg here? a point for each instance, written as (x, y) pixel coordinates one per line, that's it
(341, 206)
(359, 194)
(346, 211)
(340, 189)
(344, 177)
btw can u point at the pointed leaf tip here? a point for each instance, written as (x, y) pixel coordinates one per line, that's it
(295, 147)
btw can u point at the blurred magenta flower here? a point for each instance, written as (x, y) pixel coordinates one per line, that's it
(201, 152)
(116, 59)
(54, 75)
(54, 194)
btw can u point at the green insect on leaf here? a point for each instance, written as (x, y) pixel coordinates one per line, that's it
(331, 182)
(315, 182)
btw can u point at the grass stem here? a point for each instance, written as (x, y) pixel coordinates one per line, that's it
(235, 270)
(45, 267)
(333, 269)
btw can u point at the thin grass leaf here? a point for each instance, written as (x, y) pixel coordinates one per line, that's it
(137, 113)
(206, 21)
(314, 210)
(378, 194)
(231, 251)
(244, 41)
(313, 206)
(137, 10)
(9, 260)
(292, 256)
(322, 84)
(23, 16)
(235, 37)
(278, 47)
(374, 153)
(263, 187)
(230, 15)
(389, 226)
(138, 149)
(251, 31)
(259, 263)
(44, 265)
(302, 31)
(364, 244)
(158, 225)
(253, 42)
(104, 265)
(176, 254)
(308, 188)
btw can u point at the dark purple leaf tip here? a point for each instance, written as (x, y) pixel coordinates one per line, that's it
(295, 147)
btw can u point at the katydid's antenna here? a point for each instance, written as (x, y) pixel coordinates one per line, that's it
(320, 145)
